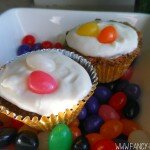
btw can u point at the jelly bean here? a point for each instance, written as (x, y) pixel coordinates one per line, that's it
(25, 127)
(80, 143)
(129, 126)
(74, 123)
(103, 94)
(104, 145)
(111, 129)
(82, 114)
(28, 39)
(118, 100)
(93, 138)
(88, 29)
(17, 124)
(36, 46)
(26, 140)
(23, 49)
(107, 35)
(47, 44)
(139, 136)
(128, 74)
(58, 45)
(92, 105)
(92, 123)
(133, 91)
(42, 83)
(121, 85)
(131, 110)
(75, 132)
(7, 121)
(107, 113)
(60, 138)
(7, 136)
(109, 85)
(43, 140)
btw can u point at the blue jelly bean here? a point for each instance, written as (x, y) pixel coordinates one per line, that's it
(92, 105)
(93, 123)
(36, 46)
(103, 94)
(82, 114)
(23, 49)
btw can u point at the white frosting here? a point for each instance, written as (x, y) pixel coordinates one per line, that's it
(74, 83)
(126, 42)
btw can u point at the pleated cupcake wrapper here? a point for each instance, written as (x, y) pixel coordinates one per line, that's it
(46, 123)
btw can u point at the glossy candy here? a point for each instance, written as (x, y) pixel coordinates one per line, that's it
(7, 136)
(47, 44)
(81, 143)
(41, 82)
(111, 129)
(133, 91)
(60, 138)
(58, 45)
(82, 114)
(28, 39)
(107, 35)
(88, 29)
(17, 124)
(118, 100)
(104, 145)
(74, 123)
(108, 113)
(23, 49)
(92, 123)
(131, 110)
(36, 46)
(43, 140)
(129, 126)
(139, 136)
(93, 138)
(121, 85)
(26, 140)
(92, 105)
(103, 94)
(75, 132)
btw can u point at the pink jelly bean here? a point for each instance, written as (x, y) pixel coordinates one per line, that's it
(107, 113)
(41, 82)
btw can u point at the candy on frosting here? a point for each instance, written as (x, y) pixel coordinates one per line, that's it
(126, 42)
(71, 76)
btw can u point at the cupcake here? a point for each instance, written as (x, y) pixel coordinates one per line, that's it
(46, 87)
(111, 46)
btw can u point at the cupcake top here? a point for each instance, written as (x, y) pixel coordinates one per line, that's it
(44, 82)
(103, 39)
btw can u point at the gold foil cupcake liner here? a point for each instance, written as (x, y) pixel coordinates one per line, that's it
(46, 123)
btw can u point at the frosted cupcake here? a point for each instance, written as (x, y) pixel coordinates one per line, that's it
(111, 46)
(44, 88)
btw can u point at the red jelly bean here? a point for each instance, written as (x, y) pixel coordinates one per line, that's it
(47, 44)
(41, 83)
(29, 40)
(75, 132)
(118, 100)
(58, 45)
(128, 74)
(104, 145)
(17, 124)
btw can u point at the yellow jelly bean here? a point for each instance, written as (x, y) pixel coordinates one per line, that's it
(88, 29)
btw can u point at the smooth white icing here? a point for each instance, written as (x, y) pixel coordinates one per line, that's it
(126, 42)
(74, 83)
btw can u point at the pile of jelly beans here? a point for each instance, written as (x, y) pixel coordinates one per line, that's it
(28, 44)
(105, 122)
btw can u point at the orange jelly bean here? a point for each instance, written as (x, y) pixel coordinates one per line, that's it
(93, 138)
(111, 129)
(75, 132)
(74, 123)
(129, 126)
